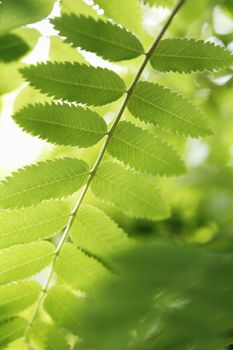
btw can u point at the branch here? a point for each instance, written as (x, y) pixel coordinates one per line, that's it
(97, 163)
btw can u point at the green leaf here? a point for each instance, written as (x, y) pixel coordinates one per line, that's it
(119, 11)
(7, 70)
(14, 13)
(63, 306)
(23, 261)
(165, 299)
(106, 39)
(12, 47)
(75, 82)
(143, 151)
(44, 180)
(131, 193)
(166, 109)
(190, 55)
(78, 269)
(16, 297)
(60, 51)
(33, 223)
(62, 124)
(159, 2)
(11, 329)
(79, 7)
(47, 337)
(96, 233)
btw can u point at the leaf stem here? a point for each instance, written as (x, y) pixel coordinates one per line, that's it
(97, 163)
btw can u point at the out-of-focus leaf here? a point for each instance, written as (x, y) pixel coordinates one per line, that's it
(14, 13)
(12, 47)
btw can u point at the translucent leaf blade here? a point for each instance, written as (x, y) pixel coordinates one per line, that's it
(143, 151)
(76, 82)
(62, 124)
(23, 261)
(11, 330)
(97, 233)
(12, 47)
(120, 188)
(27, 12)
(103, 38)
(63, 306)
(44, 180)
(16, 297)
(118, 10)
(166, 109)
(72, 262)
(190, 55)
(47, 336)
(33, 223)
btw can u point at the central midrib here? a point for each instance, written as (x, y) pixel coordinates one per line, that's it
(77, 84)
(165, 110)
(143, 151)
(105, 40)
(43, 185)
(65, 125)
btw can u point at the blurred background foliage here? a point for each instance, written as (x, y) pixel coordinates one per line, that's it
(201, 201)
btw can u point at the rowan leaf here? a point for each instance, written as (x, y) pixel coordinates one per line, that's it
(97, 233)
(75, 82)
(190, 55)
(166, 109)
(118, 10)
(73, 262)
(63, 306)
(14, 13)
(11, 330)
(159, 2)
(106, 39)
(143, 151)
(22, 261)
(62, 124)
(12, 47)
(33, 223)
(131, 193)
(16, 297)
(47, 336)
(44, 180)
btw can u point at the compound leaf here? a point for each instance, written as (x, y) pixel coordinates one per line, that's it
(190, 55)
(23, 261)
(33, 223)
(106, 39)
(75, 82)
(44, 180)
(166, 109)
(62, 124)
(143, 151)
(134, 194)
